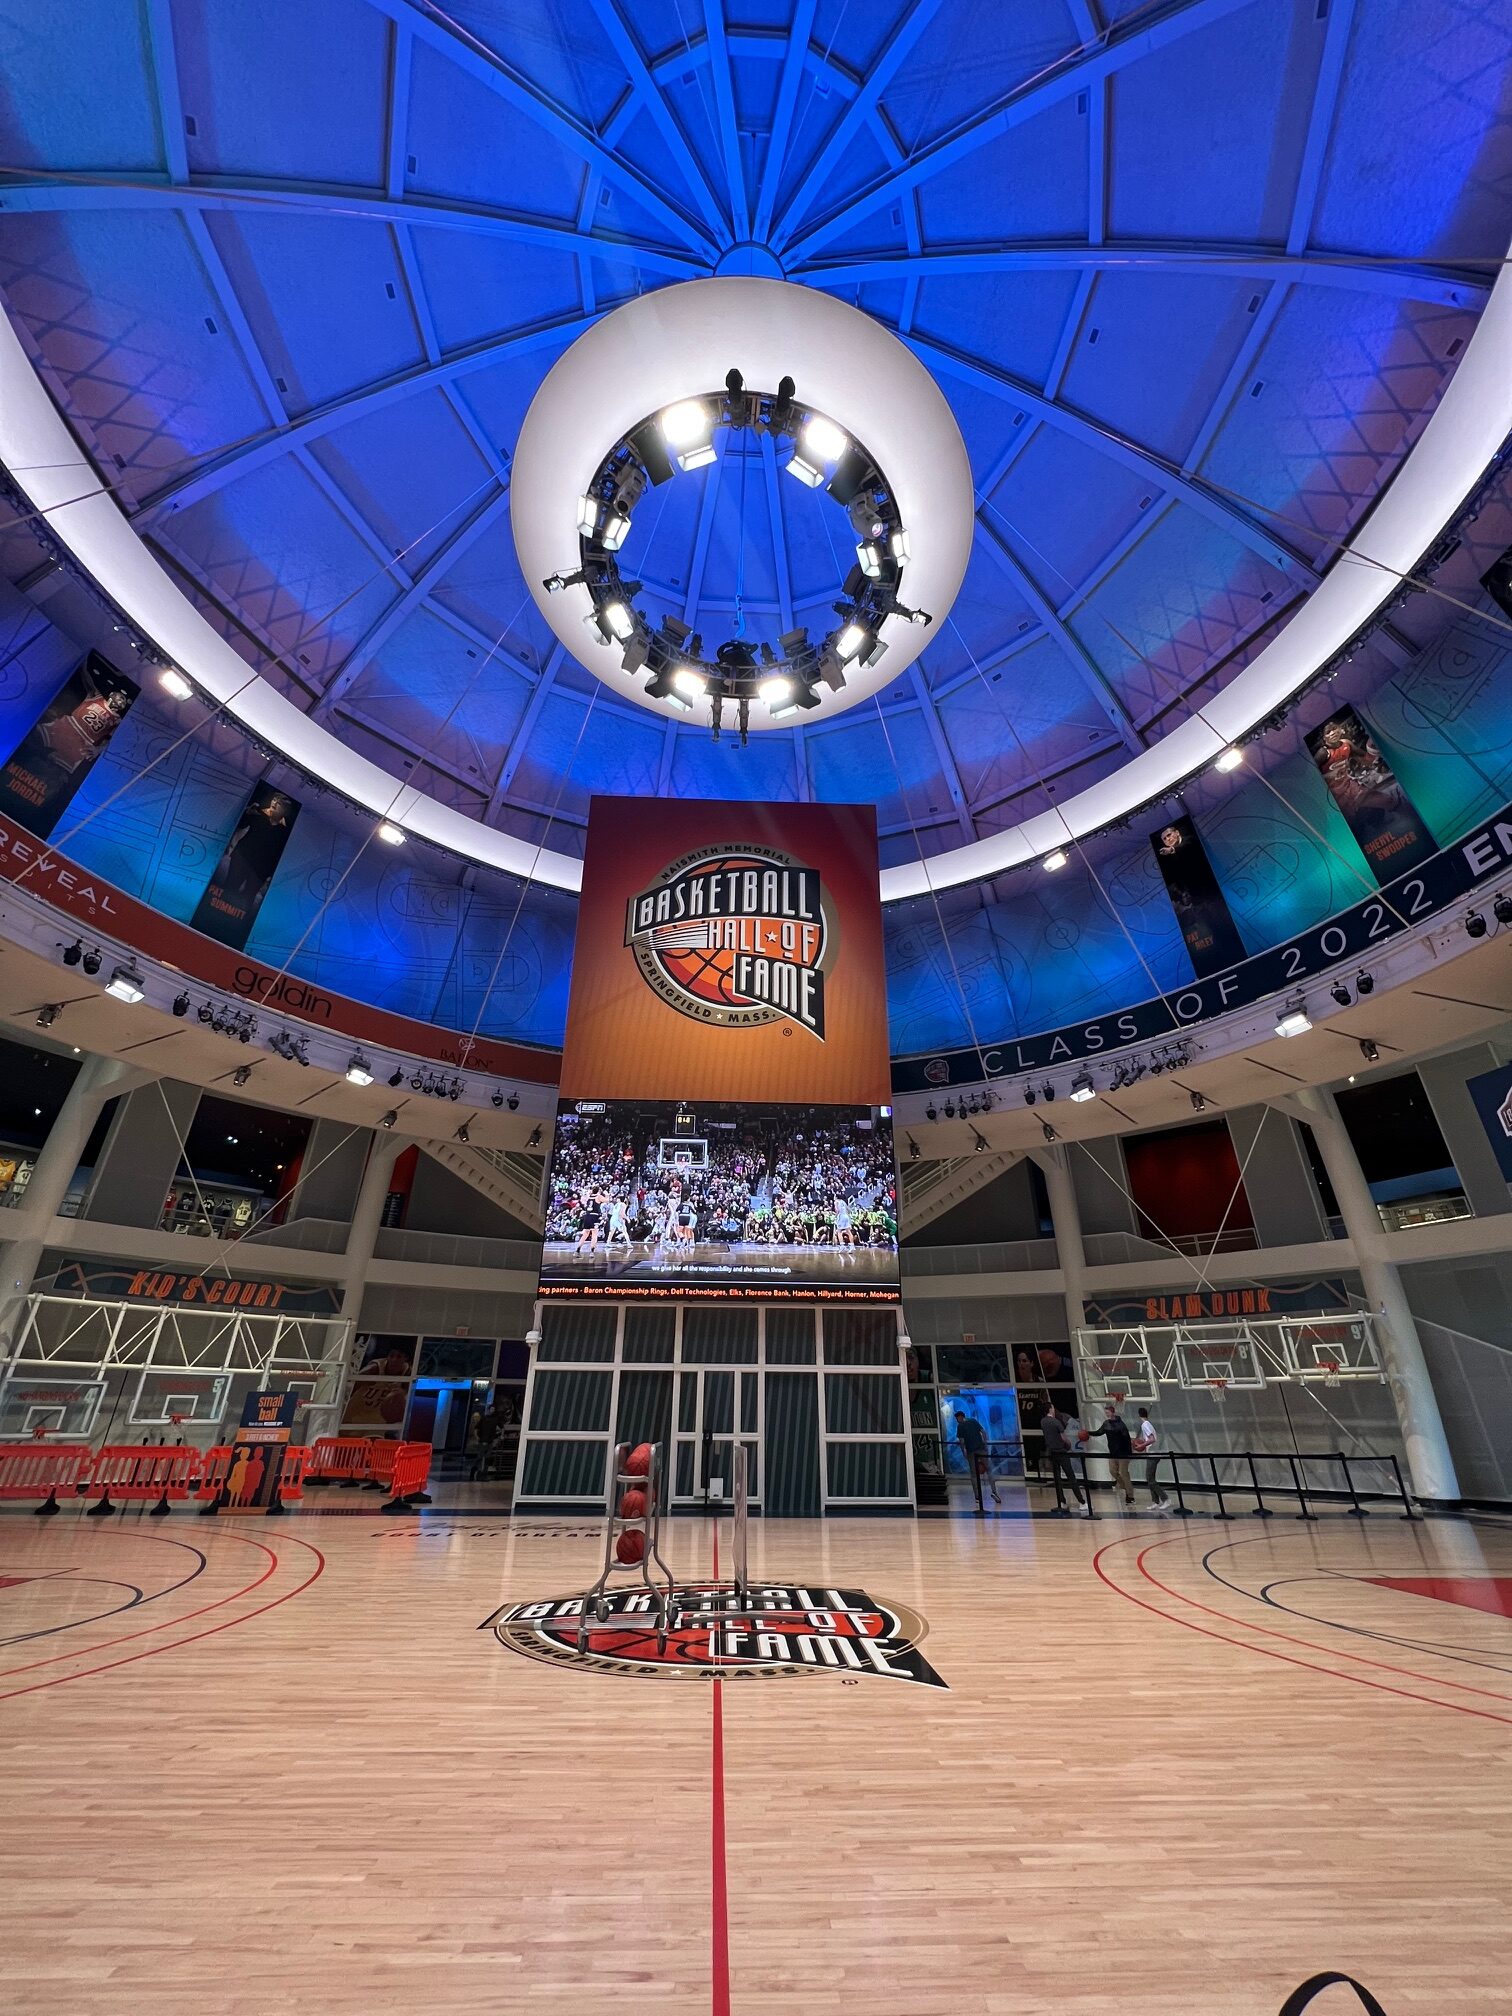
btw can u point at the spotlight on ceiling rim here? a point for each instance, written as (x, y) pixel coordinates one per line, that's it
(1293, 1019)
(126, 984)
(1082, 1088)
(359, 1071)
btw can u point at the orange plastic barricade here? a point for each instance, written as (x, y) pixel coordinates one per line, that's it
(340, 1460)
(291, 1478)
(133, 1473)
(411, 1472)
(215, 1467)
(42, 1470)
(381, 1457)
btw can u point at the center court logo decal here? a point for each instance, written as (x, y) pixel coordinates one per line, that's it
(714, 1635)
(736, 937)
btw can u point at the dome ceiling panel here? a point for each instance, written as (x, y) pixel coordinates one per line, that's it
(459, 131)
(556, 43)
(990, 614)
(482, 591)
(1052, 724)
(991, 51)
(1062, 508)
(1332, 402)
(1244, 80)
(477, 287)
(329, 89)
(770, 767)
(413, 471)
(887, 755)
(1030, 182)
(119, 306)
(1015, 317)
(56, 111)
(563, 764)
(444, 695)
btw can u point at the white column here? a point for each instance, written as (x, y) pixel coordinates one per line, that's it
(26, 1230)
(1065, 1216)
(367, 1217)
(1428, 1458)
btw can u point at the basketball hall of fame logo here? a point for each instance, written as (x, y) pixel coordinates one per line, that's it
(735, 937)
(714, 1634)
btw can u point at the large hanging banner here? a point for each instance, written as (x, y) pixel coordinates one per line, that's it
(228, 909)
(723, 1131)
(1366, 789)
(58, 752)
(1492, 1093)
(1211, 935)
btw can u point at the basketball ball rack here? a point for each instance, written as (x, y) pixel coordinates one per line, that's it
(596, 1599)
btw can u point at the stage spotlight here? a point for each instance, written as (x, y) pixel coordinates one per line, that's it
(241, 1074)
(950, 1109)
(390, 834)
(396, 1076)
(415, 1082)
(498, 1098)
(1082, 1088)
(126, 984)
(1048, 1131)
(513, 1102)
(1047, 1092)
(1341, 993)
(913, 1148)
(1055, 859)
(454, 1090)
(1228, 759)
(1364, 983)
(533, 1138)
(181, 1005)
(48, 1015)
(174, 684)
(1293, 1020)
(1029, 1095)
(93, 959)
(851, 639)
(1475, 924)
(1199, 1104)
(930, 1113)
(359, 1071)
(1369, 1051)
(462, 1133)
(206, 1012)
(388, 1119)
(72, 954)
(1502, 909)
(978, 1141)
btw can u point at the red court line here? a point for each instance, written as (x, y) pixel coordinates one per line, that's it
(168, 1623)
(719, 1885)
(152, 1651)
(1244, 1645)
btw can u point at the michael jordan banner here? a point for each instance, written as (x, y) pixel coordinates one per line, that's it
(728, 952)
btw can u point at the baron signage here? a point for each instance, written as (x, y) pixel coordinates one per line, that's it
(1399, 906)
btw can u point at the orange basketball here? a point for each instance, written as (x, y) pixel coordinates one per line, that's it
(630, 1547)
(633, 1505)
(638, 1462)
(709, 975)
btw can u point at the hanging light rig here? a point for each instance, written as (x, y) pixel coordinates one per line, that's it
(785, 680)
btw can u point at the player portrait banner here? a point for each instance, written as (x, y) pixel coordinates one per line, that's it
(1211, 935)
(57, 753)
(1376, 808)
(228, 909)
(728, 952)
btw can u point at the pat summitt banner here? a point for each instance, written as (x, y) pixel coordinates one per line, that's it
(228, 909)
(59, 750)
(1210, 933)
(1383, 819)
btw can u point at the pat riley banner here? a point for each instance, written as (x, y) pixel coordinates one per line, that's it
(728, 952)
(1399, 906)
(229, 906)
(1383, 819)
(60, 749)
(1212, 938)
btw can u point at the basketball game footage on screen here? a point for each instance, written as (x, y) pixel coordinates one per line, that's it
(724, 1125)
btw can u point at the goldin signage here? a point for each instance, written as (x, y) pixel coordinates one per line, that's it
(736, 938)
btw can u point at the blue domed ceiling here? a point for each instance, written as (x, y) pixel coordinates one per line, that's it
(1192, 275)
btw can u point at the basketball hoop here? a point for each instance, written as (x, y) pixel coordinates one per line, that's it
(1218, 1391)
(1330, 1372)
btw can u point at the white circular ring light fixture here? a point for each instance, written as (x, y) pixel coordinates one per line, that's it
(660, 357)
(1469, 425)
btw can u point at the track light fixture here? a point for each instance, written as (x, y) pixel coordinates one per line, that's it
(241, 1074)
(181, 1005)
(1030, 1095)
(1341, 993)
(1047, 1092)
(462, 1134)
(513, 1102)
(396, 1076)
(359, 1071)
(498, 1098)
(1199, 1104)
(930, 1113)
(93, 959)
(388, 1119)
(48, 1015)
(1502, 909)
(913, 1148)
(126, 984)
(1475, 924)
(978, 1141)
(1364, 983)
(1048, 1131)
(1082, 1088)
(950, 1109)
(1369, 1051)
(72, 954)
(533, 1139)
(1293, 1019)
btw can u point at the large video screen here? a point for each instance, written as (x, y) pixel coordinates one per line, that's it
(651, 1200)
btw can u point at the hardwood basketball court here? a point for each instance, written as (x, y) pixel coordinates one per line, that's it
(1175, 1767)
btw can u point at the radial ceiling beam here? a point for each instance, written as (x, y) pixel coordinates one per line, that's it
(486, 66)
(1121, 46)
(851, 124)
(944, 754)
(1148, 466)
(221, 192)
(263, 448)
(779, 531)
(520, 741)
(404, 605)
(700, 559)
(728, 128)
(650, 96)
(794, 61)
(1091, 674)
(1320, 122)
(1401, 277)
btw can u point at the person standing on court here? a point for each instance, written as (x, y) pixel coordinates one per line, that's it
(1058, 1453)
(1115, 1430)
(1145, 1439)
(973, 1440)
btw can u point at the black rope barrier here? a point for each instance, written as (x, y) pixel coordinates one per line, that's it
(1303, 1997)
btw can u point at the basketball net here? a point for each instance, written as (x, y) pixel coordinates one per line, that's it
(1218, 1390)
(1330, 1374)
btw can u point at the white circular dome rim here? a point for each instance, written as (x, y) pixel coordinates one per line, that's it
(675, 343)
(1473, 419)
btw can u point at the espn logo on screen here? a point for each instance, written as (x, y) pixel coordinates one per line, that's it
(736, 937)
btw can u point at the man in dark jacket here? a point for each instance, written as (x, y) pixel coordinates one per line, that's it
(1120, 1447)
(1058, 1453)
